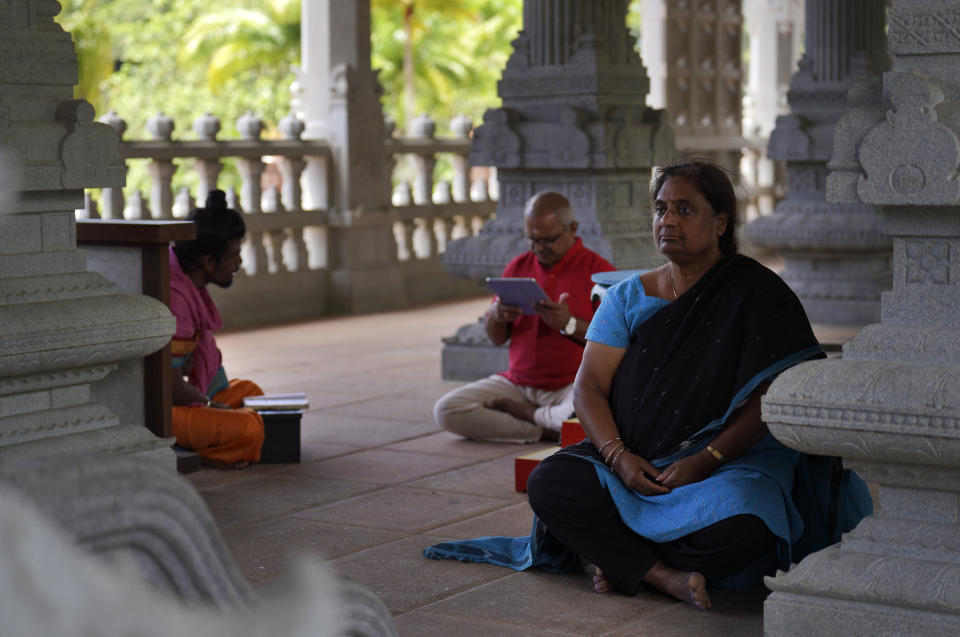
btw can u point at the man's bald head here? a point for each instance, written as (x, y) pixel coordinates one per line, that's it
(550, 227)
(549, 203)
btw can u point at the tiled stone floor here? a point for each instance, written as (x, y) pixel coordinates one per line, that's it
(378, 482)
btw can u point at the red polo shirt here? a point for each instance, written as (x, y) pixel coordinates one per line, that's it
(541, 356)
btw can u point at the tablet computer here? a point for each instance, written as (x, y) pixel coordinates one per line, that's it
(518, 291)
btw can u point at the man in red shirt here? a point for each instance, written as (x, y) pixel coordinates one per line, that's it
(531, 400)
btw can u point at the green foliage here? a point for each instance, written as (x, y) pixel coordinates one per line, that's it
(187, 57)
(459, 49)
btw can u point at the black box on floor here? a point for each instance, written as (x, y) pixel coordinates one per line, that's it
(281, 439)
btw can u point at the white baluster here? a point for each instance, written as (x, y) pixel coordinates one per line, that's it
(443, 227)
(461, 126)
(401, 194)
(207, 126)
(136, 207)
(423, 127)
(478, 191)
(441, 194)
(183, 203)
(111, 199)
(403, 233)
(161, 171)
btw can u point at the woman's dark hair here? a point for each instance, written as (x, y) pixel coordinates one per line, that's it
(716, 186)
(216, 226)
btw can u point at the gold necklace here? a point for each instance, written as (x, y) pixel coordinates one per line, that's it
(672, 284)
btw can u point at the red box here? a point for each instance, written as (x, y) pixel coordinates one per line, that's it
(571, 432)
(524, 465)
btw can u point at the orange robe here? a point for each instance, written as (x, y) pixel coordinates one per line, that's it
(226, 436)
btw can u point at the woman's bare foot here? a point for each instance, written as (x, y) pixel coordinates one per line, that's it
(600, 583)
(687, 587)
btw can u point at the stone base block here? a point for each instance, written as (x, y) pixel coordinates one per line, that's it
(788, 615)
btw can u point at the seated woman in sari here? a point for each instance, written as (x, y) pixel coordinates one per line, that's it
(680, 482)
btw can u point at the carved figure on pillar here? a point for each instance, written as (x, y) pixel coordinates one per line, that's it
(891, 405)
(837, 259)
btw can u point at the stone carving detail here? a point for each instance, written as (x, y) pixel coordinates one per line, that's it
(496, 141)
(891, 405)
(910, 158)
(789, 139)
(570, 146)
(927, 262)
(84, 137)
(924, 32)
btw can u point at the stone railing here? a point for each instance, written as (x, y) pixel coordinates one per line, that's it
(286, 245)
(429, 215)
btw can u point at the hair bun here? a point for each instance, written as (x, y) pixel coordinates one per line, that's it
(216, 201)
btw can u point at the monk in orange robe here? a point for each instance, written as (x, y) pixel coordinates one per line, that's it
(208, 412)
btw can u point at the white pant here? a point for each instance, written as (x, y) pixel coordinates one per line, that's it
(461, 411)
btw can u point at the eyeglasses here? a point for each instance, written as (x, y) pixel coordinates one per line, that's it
(544, 241)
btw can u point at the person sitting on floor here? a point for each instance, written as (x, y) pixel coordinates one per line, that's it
(208, 413)
(680, 485)
(533, 398)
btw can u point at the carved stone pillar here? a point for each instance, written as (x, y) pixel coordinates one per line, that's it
(891, 405)
(63, 326)
(341, 102)
(573, 120)
(837, 259)
(692, 48)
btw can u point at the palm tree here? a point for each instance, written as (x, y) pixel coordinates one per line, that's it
(442, 49)
(235, 39)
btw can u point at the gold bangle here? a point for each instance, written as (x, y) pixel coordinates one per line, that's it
(716, 454)
(604, 445)
(613, 464)
(613, 451)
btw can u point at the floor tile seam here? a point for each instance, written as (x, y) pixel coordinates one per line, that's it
(280, 473)
(440, 597)
(408, 485)
(522, 624)
(232, 526)
(592, 630)
(408, 531)
(379, 420)
(407, 482)
(290, 512)
(488, 622)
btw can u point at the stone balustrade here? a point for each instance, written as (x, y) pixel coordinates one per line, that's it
(430, 214)
(286, 234)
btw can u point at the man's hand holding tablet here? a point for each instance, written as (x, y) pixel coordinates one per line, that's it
(521, 293)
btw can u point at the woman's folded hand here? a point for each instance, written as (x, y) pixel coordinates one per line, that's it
(688, 470)
(634, 471)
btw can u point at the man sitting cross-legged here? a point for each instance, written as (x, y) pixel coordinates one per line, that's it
(208, 412)
(531, 400)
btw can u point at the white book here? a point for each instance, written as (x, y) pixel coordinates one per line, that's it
(296, 401)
